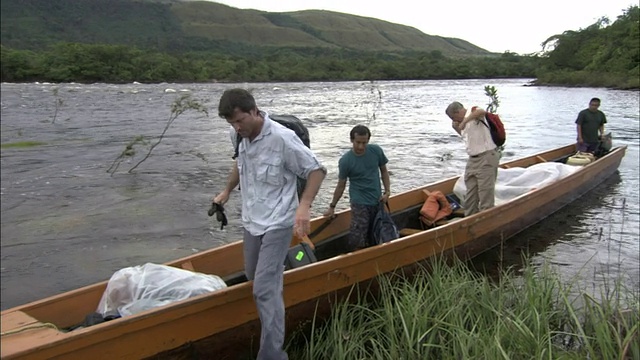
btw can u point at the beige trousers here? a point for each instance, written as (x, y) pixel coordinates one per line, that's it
(480, 179)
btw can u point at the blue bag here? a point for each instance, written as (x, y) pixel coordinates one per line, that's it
(383, 228)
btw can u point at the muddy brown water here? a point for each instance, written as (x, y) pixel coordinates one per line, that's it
(67, 223)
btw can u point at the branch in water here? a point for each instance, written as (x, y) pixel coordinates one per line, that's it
(179, 106)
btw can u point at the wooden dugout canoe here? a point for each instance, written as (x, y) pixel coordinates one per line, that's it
(224, 323)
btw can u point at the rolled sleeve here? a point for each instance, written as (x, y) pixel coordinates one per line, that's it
(299, 159)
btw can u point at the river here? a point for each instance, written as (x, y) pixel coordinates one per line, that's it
(67, 223)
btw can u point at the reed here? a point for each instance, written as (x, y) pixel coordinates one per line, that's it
(452, 312)
(59, 103)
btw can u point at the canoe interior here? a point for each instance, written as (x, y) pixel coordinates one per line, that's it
(69, 309)
(406, 218)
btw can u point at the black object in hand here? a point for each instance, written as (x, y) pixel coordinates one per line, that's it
(220, 215)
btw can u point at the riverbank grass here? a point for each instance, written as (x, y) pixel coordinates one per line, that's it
(452, 312)
(621, 81)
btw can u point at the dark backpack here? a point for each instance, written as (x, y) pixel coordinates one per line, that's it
(293, 123)
(604, 146)
(496, 127)
(383, 229)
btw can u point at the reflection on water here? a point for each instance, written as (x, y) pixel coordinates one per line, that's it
(66, 223)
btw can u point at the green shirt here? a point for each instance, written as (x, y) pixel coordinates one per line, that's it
(363, 173)
(590, 122)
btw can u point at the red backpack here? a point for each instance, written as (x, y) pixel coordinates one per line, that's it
(496, 128)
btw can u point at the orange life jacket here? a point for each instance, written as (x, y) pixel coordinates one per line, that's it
(435, 208)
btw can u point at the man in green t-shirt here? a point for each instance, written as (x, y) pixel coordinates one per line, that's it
(364, 165)
(590, 126)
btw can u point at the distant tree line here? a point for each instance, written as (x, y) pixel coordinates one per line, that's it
(66, 62)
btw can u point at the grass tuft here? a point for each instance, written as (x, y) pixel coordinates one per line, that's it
(452, 312)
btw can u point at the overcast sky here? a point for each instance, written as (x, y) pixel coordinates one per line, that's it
(495, 25)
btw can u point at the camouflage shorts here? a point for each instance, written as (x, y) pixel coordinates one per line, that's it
(360, 232)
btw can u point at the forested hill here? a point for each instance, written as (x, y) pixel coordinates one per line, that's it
(177, 26)
(603, 54)
(198, 41)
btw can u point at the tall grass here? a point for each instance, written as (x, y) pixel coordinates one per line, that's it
(452, 312)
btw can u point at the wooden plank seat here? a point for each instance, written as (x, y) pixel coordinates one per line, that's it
(23, 330)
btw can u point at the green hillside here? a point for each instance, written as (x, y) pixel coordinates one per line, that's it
(182, 26)
(199, 41)
(36, 24)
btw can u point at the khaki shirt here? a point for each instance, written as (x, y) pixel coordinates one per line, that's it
(477, 136)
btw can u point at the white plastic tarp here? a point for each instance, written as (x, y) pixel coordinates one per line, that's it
(138, 288)
(514, 182)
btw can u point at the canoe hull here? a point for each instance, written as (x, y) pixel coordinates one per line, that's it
(224, 325)
(473, 239)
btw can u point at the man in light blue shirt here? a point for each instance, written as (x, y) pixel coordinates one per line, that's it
(270, 157)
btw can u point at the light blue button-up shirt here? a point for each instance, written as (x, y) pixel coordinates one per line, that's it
(268, 167)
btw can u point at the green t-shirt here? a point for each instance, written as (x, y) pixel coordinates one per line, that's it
(590, 122)
(363, 173)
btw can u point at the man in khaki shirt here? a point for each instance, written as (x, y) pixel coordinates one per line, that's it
(482, 166)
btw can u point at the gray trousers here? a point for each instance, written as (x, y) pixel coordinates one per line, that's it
(264, 264)
(480, 180)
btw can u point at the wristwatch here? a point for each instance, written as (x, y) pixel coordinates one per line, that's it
(332, 205)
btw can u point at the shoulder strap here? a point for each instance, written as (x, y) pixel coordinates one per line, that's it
(237, 147)
(486, 121)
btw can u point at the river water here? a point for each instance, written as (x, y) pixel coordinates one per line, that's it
(67, 223)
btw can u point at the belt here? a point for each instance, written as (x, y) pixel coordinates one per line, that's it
(484, 152)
